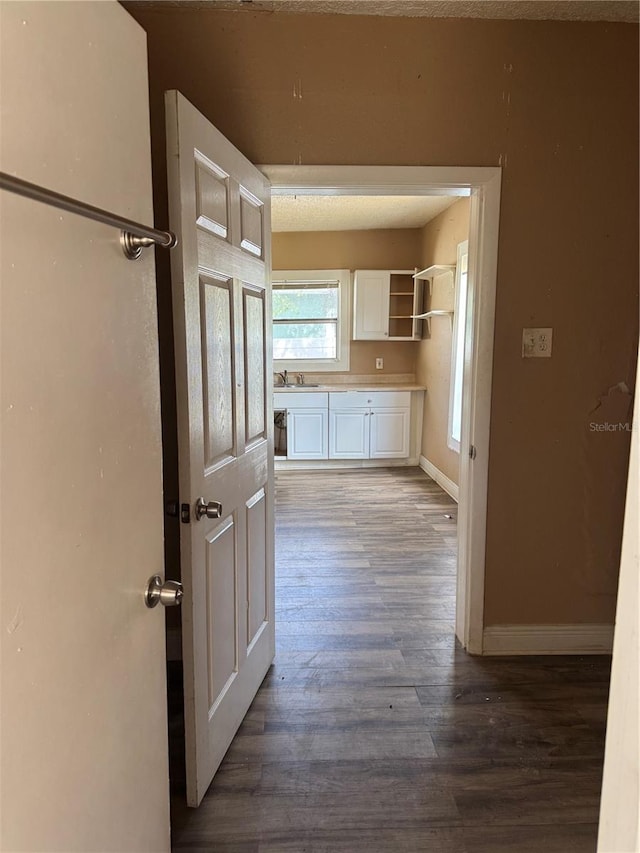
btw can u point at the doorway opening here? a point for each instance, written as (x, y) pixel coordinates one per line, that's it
(482, 186)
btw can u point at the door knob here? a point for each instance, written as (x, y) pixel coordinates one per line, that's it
(211, 509)
(169, 593)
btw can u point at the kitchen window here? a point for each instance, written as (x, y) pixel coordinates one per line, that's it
(310, 320)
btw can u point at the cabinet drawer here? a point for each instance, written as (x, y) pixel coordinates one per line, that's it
(390, 399)
(299, 399)
(369, 399)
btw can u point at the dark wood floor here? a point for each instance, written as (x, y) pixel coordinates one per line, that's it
(373, 731)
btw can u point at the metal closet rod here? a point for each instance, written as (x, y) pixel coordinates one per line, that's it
(134, 236)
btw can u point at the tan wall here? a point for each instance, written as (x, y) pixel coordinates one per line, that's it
(557, 105)
(375, 249)
(393, 248)
(440, 239)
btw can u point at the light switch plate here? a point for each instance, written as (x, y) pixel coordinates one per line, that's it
(379, 363)
(536, 343)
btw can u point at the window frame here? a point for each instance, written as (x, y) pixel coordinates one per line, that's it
(343, 324)
(456, 389)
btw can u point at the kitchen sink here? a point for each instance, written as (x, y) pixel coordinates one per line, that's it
(296, 386)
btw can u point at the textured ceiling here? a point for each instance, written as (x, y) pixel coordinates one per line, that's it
(562, 10)
(354, 213)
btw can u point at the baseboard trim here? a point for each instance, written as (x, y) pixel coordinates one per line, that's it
(547, 640)
(441, 479)
(341, 464)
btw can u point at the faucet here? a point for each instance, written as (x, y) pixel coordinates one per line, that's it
(284, 376)
(301, 379)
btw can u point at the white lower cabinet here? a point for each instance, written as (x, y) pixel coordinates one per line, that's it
(307, 423)
(307, 433)
(348, 434)
(369, 424)
(346, 424)
(389, 433)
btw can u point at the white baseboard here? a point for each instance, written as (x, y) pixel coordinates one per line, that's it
(547, 640)
(441, 479)
(341, 464)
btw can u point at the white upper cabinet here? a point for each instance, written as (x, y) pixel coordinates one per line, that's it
(371, 305)
(385, 305)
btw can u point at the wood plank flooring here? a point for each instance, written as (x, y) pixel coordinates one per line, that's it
(373, 731)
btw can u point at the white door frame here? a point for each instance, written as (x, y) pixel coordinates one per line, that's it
(483, 186)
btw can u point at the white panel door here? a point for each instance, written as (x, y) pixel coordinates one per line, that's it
(371, 305)
(349, 434)
(389, 433)
(219, 207)
(84, 729)
(307, 433)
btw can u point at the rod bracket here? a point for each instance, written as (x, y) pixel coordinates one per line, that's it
(132, 246)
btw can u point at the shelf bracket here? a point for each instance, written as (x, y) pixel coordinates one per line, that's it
(435, 313)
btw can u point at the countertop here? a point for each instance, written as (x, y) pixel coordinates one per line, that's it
(281, 389)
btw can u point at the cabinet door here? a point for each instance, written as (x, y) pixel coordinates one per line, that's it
(389, 433)
(307, 433)
(349, 434)
(371, 305)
